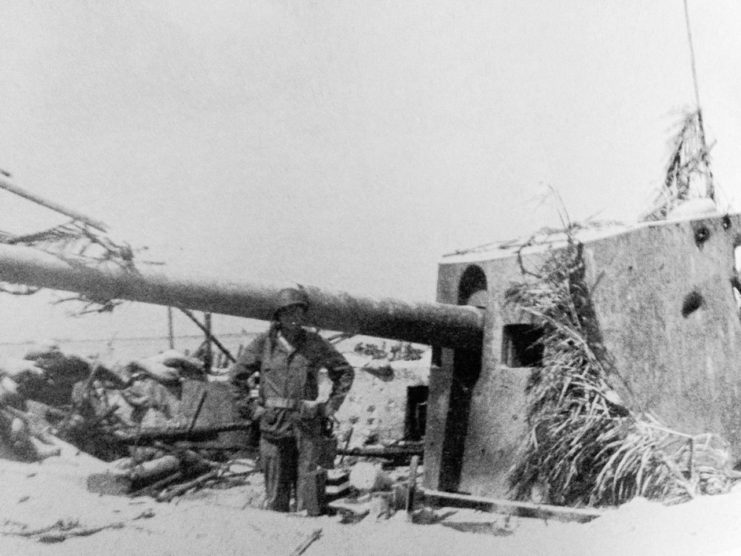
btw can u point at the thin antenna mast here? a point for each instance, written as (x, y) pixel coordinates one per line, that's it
(710, 188)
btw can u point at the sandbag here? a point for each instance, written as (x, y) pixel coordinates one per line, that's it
(189, 367)
(158, 370)
(19, 369)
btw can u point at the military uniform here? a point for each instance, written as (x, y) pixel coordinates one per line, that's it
(290, 417)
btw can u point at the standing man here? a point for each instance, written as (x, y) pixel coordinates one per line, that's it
(288, 358)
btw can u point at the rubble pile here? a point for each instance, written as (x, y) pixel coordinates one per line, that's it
(149, 419)
(161, 426)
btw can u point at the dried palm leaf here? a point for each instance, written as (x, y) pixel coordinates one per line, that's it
(585, 447)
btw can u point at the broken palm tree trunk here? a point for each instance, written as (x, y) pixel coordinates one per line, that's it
(126, 476)
(585, 445)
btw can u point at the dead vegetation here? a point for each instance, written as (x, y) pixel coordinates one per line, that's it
(586, 445)
(688, 174)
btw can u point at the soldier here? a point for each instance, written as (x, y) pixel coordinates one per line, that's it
(288, 358)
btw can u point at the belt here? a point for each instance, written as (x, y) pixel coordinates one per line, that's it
(282, 403)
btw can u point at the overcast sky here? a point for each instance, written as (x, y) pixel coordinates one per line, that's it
(346, 144)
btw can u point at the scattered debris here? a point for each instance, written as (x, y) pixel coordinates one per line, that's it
(306, 543)
(62, 529)
(369, 476)
(511, 507)
(399, 351)
(398, 453)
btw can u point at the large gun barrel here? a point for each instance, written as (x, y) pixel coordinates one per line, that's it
(423, 322)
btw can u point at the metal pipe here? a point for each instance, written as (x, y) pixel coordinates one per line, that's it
(421, 322)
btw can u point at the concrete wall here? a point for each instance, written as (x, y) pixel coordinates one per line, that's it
(375, 408)
(684, 369)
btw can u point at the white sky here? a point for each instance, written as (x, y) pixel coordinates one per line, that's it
(346, 144)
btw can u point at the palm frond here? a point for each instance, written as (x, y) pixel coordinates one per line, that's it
(585, 447)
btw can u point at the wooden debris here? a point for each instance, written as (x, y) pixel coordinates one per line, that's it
(352, 509)
(85, 532)
(185, 487)
(474, 521)
(118, 481)
(151, 434)
(411, 487)
(393, 452)
(509, 507)
(338, 484)
(306, 543)
(158, 485)
(61, 530)
(26, 435)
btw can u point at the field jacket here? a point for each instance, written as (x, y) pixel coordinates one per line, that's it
(288, 379)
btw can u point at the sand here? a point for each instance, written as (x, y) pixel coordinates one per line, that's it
(52, 495)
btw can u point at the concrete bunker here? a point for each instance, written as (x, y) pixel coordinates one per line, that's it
(664, 295)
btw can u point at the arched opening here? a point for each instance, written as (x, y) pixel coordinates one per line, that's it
(472, 287)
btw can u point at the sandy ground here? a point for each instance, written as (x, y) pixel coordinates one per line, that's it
(51, 495)
(40, 500)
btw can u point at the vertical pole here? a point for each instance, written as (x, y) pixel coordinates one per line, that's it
(208, 362)
(170, 334)
(411, 487)
(710, 187)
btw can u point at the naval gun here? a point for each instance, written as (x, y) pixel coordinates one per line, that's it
(418, 322)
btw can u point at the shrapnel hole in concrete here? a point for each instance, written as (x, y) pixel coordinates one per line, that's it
(702, 234)
(521, 345)
(415, 420)
(692, 302)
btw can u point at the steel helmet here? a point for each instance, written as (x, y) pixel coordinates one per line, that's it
(289, 297)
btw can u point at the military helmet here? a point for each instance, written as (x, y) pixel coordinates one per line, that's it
(289, 297)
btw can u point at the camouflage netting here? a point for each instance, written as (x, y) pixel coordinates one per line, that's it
(585, 445)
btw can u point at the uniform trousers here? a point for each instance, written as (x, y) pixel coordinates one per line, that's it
(286, 464)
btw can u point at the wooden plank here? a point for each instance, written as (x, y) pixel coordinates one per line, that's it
(522, 509)
(300, 549)
(370, 451)
(411, 487)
